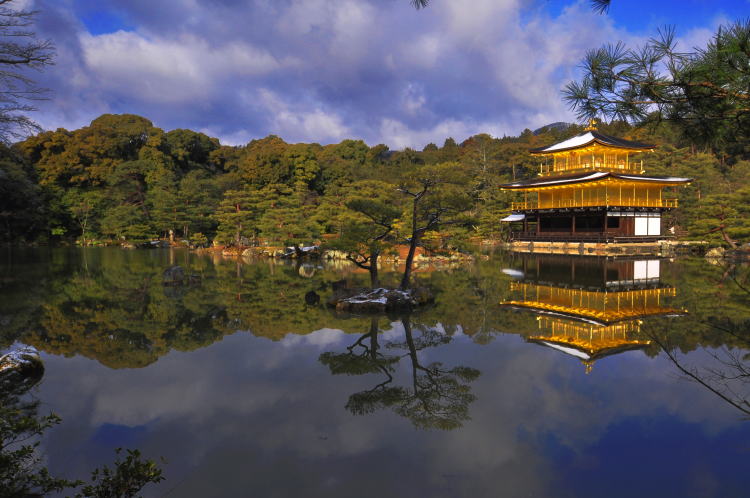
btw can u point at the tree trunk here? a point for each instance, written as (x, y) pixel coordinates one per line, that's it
(374, 280)
(412, 246)
(374, 339)
(405, 281)
(406, 321)
(727, 238)
(171, 236)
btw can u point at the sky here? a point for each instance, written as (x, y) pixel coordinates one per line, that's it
(326, 70)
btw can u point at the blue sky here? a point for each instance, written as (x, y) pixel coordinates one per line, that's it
(325, 70)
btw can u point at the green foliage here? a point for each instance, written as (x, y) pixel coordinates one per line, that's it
(21, 470)
(125, 480)
(704, 91)
(121, 179)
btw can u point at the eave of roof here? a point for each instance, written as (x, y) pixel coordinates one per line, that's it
(589, 138)
(589, 355)
(591, 317)
(556, 181)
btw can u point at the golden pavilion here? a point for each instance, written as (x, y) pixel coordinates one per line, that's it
(589, 308)
(589, 188)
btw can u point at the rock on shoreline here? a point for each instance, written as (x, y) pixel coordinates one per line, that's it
(20, 370)
(379, 300)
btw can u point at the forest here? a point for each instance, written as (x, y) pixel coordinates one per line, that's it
(121, 180)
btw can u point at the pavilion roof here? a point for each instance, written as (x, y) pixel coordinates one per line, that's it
(591, 176)
(589, 354)
(591, 137)
(589, 315)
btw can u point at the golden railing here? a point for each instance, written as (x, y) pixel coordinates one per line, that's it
(601, 305)
(573, 203)
(597, 165)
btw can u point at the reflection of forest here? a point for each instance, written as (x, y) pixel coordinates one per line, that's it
(110, 304)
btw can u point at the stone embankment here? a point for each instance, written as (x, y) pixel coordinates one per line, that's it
(717, 255)
(397, 256)
(664, 248)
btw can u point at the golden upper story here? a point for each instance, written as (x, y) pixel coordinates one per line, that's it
(591, 151)
(592, 158)
(588, 342)
(593, 169)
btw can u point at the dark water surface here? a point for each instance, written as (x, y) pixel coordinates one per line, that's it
(530, 376)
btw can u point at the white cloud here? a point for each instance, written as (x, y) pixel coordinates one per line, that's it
(296, 123)
(323, 70)
(413, 98)
(399, 135)
(171, 70)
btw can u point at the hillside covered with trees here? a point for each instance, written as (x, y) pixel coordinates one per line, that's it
(121, 179)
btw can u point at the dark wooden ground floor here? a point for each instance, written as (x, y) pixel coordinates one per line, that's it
(603, 225)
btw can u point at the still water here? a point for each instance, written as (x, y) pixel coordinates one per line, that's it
(529, 376)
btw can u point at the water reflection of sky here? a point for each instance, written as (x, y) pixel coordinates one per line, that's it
(248, 416)
(258, 413)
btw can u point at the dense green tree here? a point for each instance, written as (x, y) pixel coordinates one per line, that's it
(283, 219)
(22, 203)
(727, 215)
(239, 213)
(368, 233)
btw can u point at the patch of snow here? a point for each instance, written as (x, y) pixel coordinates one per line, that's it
(19, 357)
(570, 351)
(592, 176)
(576, 141)
(674, 179)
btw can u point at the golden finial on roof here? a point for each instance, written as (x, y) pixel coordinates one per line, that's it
(591, 126)
(589, 366)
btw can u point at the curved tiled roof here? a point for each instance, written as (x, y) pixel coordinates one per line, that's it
(588, 138)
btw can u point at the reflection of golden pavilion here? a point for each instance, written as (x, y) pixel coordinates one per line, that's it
(594, 308)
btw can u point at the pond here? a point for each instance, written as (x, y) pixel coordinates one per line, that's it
(530, 375)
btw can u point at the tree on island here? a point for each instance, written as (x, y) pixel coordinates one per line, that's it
(367, 234)
(437, 197)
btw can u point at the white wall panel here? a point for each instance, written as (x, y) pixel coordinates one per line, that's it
(654, 226)
(641, 226)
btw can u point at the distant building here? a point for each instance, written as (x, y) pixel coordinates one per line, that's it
(589, 190)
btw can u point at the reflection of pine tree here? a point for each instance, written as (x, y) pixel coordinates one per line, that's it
(438, 397)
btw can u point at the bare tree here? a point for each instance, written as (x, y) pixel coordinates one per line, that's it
(20, 51)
